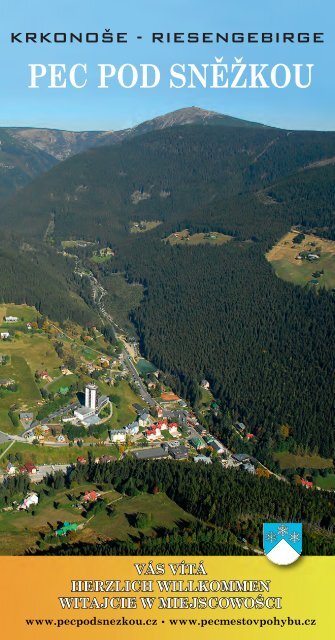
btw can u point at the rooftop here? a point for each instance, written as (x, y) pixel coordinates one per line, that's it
(151, 454)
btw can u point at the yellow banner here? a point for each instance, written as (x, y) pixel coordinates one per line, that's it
(128, 597)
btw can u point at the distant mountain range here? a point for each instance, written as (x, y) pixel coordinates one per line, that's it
(63, 144)
(28, 152)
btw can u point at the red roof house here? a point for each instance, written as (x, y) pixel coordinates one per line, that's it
(90, 496)
(306, 483)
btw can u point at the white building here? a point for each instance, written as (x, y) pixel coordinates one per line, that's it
(91, 392)
(11, 319)
(4, 335)
(118, 436)
(29, 501)
(132, 429)
(144, 420)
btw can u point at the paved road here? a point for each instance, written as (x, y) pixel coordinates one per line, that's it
(98, 294)
(4, 437)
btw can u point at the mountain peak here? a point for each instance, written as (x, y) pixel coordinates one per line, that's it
(192, 115)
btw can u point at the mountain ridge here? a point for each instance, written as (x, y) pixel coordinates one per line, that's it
(63, 143)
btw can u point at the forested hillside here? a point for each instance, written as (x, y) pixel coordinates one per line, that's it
(37, 276)
(20, 162)
(266, 346)
(186, 170)
(222, 500)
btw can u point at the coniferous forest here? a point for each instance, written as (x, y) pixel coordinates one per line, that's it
(220, 500)
(219, 312)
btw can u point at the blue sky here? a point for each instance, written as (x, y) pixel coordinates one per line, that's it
(117, 108)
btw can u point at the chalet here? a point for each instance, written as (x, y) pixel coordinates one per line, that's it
(90, 496)
(247, 466)
(144, 420)
(173, 428)
(4, 335)
(250, 436)
(43, 375)
(66, 528)
(200, 429)
(162, 424)
(65, 371)
(241, 457)
(159, 412)
(240, 426)
(205, 384)
(132, 429)
(153, 433)
(217, 446)
(30, 467)
(10, 469)
(81, 460)
(203, 459)
(11, 319)
(179, 453)
(29, 327)
(117, 435)
(306, 484)
(197, 443)
(6, 382)
(29, 501)
(27, 418)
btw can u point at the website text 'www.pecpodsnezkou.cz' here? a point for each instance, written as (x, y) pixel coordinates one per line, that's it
(175, 622)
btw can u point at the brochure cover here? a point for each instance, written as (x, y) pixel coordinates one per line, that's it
(167, 319)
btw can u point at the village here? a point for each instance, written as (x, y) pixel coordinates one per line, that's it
(115, 402)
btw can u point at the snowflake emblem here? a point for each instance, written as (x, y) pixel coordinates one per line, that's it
(295, 537)
(282, 530)
(271, 537)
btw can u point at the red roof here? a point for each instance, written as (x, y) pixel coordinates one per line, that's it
(306, 483)
(250, 435)
(173, 424)
(90, 496)
(29, 466)
(162, 423)
(81, 459)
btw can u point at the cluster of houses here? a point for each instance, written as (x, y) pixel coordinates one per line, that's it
(119, 436)
(154, 432)
(28, 467)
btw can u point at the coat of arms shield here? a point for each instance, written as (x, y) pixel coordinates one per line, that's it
(282, 542)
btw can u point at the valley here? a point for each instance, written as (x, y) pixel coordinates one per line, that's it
(166, 286)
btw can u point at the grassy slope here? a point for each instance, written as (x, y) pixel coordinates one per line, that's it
(186, 239)
(283, 258)
(20, 530)
(39, 454)
(124, 412)
(291, 461)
